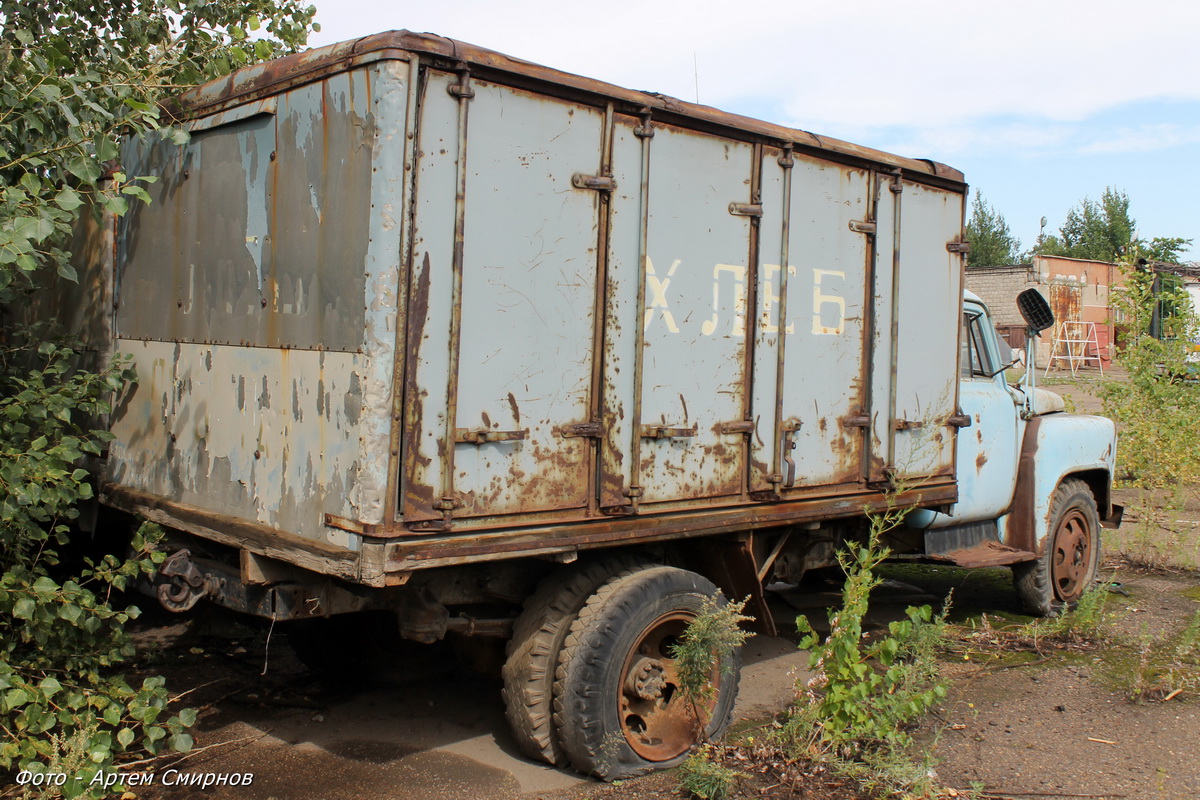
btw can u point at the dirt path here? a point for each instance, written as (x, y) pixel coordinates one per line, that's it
(436, 731)
(1068, 726)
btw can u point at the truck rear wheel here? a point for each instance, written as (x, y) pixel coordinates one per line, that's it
(618, 710)
(532, 654)
(1070, 558)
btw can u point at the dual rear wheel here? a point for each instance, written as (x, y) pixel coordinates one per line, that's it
(591, 678)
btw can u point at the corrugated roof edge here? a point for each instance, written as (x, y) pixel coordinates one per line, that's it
(252, 83)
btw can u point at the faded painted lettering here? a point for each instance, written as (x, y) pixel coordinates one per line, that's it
(770, 298)
(658, 296)
(821, 299)
(739, 299)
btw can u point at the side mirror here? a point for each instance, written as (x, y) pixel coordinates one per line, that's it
(1035, 310)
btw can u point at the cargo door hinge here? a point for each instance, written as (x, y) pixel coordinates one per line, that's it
(908, 424)
(746, 209)
(633, 493)
(742, 426)
(598, 183)
(581, 430)
(862, 226)
(667, 432)
(481, 436)
(959, 421)
(856, 421)
(959, 247)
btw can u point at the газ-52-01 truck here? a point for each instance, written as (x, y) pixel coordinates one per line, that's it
(509, 352)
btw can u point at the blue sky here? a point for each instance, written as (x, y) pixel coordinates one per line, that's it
(1039, 102)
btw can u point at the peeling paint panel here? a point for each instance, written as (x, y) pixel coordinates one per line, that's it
(238, 221)
(314, 283)
(255, 433)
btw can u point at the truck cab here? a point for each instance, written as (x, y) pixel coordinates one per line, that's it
(1034, 481)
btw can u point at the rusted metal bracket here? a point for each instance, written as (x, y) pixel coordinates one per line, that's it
(422, 617)
(789, 427)
(445, 504)
(645, 130)
(746, 209)
(462, 90)
(351, 525)
(742, 426)
(855, 421)
(863, 226)
(599, 183)
(667, 432)
(581, 430)
(181, 585)
(908, 424)
(959, 421)
(785, 158)
(959, 247)
(633, 493)
(485, 435)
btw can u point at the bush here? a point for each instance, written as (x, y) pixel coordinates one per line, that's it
(61, 636)
(866, 693)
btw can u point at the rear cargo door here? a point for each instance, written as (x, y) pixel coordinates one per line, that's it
(811, 432)
(504, 373)
(687, 433)
(918, 301)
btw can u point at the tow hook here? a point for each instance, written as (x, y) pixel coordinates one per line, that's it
(181, 585)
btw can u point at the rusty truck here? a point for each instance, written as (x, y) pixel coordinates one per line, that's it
(501, 351)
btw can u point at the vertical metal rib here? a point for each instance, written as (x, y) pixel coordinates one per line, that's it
(460, 215)
(599, 323)
(895, 188)
(645, 133)
(786, 162)
(404, 259)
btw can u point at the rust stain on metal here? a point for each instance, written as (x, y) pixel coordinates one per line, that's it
(261, 80)
(419, 492)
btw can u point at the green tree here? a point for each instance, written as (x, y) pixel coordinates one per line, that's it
(78, 76)
(1104, 231)
(992, 243)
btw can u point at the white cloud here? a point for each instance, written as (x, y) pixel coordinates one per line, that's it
(952, 80)
(1144, 138)
(876, 63)
(990, 137)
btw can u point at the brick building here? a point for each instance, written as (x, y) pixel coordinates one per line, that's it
(1079, 290)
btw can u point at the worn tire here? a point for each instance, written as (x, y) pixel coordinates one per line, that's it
(1070, 558)
(618, 648)
(532, 653)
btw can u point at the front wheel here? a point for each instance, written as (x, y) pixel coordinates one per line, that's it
(1070, 558)
(618, 708)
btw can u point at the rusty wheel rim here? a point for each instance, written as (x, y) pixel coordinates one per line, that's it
(1072, 556)
(658, 722)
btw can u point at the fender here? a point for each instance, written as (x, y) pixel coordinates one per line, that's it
(1054, 447)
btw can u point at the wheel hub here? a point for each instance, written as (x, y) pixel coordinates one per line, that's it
(1072, 556)
(659, 723)
(646, 679)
